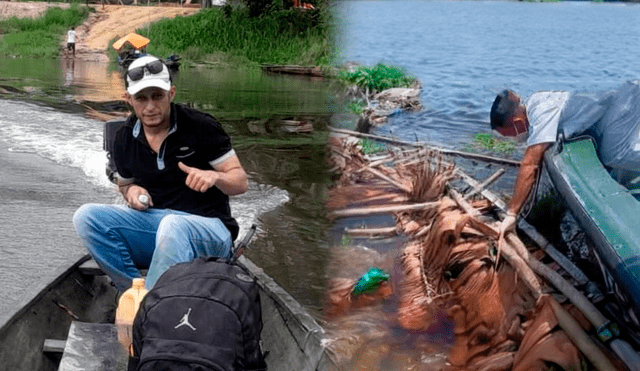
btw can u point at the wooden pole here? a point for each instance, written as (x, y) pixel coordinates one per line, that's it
(532, 233)
(451, 152)
(524, 269)
(382, 210)
(490, 180)
(388, 179)
(371, 232)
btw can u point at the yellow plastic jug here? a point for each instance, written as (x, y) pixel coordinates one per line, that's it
(125, 314)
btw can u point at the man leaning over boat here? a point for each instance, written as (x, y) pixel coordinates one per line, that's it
(176, 169)
(610, 117)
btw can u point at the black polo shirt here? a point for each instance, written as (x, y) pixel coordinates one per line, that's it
(197, 140)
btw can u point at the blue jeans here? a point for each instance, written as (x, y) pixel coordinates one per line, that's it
(123, 240)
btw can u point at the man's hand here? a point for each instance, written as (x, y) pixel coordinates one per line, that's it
(132, 194)
(199, 180)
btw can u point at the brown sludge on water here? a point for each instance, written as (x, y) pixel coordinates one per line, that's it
(444, 280)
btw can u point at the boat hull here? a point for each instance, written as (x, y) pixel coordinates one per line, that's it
(604, 209)
(290, 335)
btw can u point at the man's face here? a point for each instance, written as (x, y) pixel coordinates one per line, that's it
(152, 105)
(518, 124)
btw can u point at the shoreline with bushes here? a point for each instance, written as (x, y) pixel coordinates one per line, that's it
(230, 34)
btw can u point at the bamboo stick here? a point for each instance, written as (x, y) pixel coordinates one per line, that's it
(371, 232)
(476, 156)
(580, 338)
(380, 161)
(388, 179)
(510, 254)
(526, 273)
(575, 296)
(382, 209)
(580, 301)
(490, 180)
(388, 198)
(532, 233)
(485, 192)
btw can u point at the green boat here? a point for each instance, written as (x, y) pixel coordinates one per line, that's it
(607, 212)
(66, 324)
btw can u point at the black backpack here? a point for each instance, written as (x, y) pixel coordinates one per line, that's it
(201, 315)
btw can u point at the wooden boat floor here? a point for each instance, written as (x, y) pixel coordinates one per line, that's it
(93, 346)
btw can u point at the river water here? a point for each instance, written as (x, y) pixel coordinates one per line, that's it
(464, 53)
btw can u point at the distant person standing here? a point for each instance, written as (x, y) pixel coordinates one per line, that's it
(71, 40)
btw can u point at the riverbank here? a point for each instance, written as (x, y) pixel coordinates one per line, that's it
(230, 34)
(114, 21)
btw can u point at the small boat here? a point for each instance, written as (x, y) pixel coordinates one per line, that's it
(294, 70)
(129, 48)
(173, 62)
(607, 211)
(67, 325)
(133, 46)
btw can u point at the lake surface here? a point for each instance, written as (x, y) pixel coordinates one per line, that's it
(463, 52)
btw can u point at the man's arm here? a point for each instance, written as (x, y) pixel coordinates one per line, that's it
(525, 179)
(229, 176)
(529, 167)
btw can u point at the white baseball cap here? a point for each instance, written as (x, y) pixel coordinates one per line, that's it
(144, 68)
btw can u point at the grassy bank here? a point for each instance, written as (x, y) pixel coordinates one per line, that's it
(41, 37)
(281, 36)
(377, 78)
(372, 80)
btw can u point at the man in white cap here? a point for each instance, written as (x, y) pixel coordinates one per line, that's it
(176, 170)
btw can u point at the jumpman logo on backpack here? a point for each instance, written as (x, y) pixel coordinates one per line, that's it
(185, 321)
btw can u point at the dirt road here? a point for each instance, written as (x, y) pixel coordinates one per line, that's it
(112, 21)
(95, 81)
(106, 23)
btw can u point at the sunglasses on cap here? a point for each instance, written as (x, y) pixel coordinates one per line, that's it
(137, 73)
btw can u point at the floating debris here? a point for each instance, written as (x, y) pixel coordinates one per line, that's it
(457, 293)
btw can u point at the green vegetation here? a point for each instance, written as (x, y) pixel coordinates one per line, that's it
(377, 78)
(484, 141)
(370, 147)
(41, 37)
(357, 106)
(233, 35)
(345, 241)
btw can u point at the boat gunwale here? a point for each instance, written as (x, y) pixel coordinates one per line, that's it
(312, 331)
(42, 288)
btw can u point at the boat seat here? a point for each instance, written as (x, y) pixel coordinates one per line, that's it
(93, 347)
(91, 268)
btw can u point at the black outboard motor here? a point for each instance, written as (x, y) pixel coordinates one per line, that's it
(111, 127)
